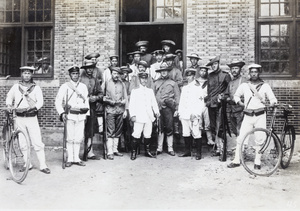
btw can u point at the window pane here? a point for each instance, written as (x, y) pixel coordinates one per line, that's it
(168, 12)
(265, 30)
(39, 34)
(265, 66)
(274, 42)
(47, 45)
(263, 1)
(47, 4)
(285, 55)
(177, 2)
(1, 17)
(265, 42)
(39, 5)
(47, 34)
(284, 9)
(274, 30)
(274, 9)
(274, 54)
(177, 12)
(284, 67)
(135, 11)
(8, 17)
(16, 16)
(39, 16)
(31, 5)
(8, 5)
(31, 16)
(160, 3)
(16, 4)
(274, 66)
(169, 2)
(39, 46)
(160, 13)
(284, 30)
(30, 46)
(264, 10)
(284, 42)
(47, 15)
(265, 55)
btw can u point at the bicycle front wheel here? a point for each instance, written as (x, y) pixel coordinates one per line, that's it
(19, 156)
(288, 144)
(260, 152)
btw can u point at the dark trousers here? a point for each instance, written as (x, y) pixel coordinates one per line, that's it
(167, 120)
(114, 125)
(236, 122)
(216, 124)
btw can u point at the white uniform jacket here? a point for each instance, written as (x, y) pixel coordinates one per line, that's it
(74, 100)
(254, 102)
(14, 95)
(143, 104)
(191, 100)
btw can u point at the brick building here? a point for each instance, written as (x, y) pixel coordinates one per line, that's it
(59, 32)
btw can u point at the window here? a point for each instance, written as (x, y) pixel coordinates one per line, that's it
(151, 20)
(277, 23)
(26, 36)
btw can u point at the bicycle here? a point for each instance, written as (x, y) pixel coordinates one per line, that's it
(16, 148)
(265, 144)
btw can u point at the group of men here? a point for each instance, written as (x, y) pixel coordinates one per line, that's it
(152, 92)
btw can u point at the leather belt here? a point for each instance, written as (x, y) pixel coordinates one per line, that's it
(25, 114)
(254, 112)
(77, 112)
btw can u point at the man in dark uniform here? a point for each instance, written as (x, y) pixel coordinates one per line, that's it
(235, 111)
(167, 95)
(116, 104)
(174, 74)
(143, 47)
(167, 46)
(95, 94)
(217, 83)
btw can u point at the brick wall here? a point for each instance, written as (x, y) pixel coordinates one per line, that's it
(227, 28)
(88, 26)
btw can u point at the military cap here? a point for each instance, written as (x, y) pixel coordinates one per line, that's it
(30, 68)
(168, 42)
(163, 67)
(256, 66)
(142, 43)
(73, 69)
(117, 69)
(44, 60)
(136, 52)
(158, 52)
(235, 63)
(169, 56)
(143, 75)
(194, 55)
(114, 56)
(190, 71)
(178, 51)
(144, 63)
(126, 69)
(203, 67)
(88, 63)
(216, 59)
(92, 55)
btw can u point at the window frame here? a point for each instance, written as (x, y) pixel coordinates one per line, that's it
(24, 24)
(292, 21)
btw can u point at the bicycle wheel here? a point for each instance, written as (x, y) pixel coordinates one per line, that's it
(19, 156)
(5, 135)
(262, 149)
(288, 143)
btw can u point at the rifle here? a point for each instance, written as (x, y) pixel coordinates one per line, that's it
(158, 130)
(65, 154)
(104, 135)
(226, 129)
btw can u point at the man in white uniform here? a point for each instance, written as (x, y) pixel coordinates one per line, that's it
(28, 99)
(78, 103)
(190, 109)
(142, 108)
(254, 91)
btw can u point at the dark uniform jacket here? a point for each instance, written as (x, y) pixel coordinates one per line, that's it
(167, 93)
(217, 84)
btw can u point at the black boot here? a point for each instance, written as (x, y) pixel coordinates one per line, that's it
(134, 145)
(199, 148)
(147, 148)
(187, 144)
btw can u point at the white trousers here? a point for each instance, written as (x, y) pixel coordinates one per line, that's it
(191, 128)
(250, 122)
(138, 128)
(75, 136)
(112, 145)
(31, 128)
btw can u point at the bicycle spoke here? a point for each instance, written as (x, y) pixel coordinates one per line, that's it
(260, 153)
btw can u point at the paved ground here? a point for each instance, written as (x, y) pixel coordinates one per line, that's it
(162, 183)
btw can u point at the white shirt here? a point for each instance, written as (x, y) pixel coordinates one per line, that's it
(14, 95)
(73, 99)
(191, 101)
(143, 104)
(255, 102)
(154, 67)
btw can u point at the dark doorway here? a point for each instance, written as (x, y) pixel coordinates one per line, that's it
(129, 35)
